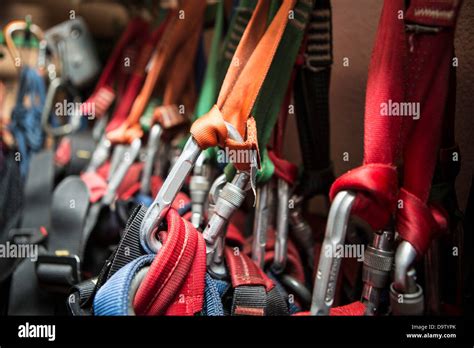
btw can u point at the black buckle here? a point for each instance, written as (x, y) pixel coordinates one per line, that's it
(58, 273)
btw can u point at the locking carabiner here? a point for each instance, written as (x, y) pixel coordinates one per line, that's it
(198, 189)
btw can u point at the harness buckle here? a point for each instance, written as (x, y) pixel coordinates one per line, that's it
(58, 273)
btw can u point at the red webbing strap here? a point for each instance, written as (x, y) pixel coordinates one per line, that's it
(430, 61)
(62, 156)
(284, 169)
(103, 94)
(97, 184)
(243, 271)
(382, 135)
(352, 309)
(174, 284)
(413, 68)
(136, 80)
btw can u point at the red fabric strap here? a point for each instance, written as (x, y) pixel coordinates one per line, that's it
(243, 271)
(377, 186)
(413, 69)
(352, 309)
(284, 169)
(104, 94)
(417, 222)
(174, 284)
(62, 156)
(136, 80)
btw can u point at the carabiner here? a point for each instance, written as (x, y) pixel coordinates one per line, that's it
(74, 120)
(329, 263)
(260, 226)
(170, 188)
(281, 237)
(152, 149)
(406, 296)
(230, 199)
(198, 189)
(116, 178)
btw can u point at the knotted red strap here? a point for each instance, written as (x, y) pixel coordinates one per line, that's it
(174, 284)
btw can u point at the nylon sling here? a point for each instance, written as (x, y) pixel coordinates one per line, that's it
(405, 58)
(414, 68)
(176, 35)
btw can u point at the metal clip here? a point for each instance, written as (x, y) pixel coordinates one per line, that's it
(406, 296)
(128, 159)
(170, 188)
(329, 263)
(230, 199)
(74, 120)
(301, 231)
(260, 226)
(281, 238)
(198, 188)
(152, 150)
(100, 155)
(378, 260)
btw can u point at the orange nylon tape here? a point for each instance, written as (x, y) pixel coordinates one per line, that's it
(243, 82)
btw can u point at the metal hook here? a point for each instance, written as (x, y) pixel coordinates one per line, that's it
(170, 188)
(198, 188)
(260, 226)
(19, 25)
(152, 150)
(74, 120)
(281, 238)
(230, 199)
(329, 263)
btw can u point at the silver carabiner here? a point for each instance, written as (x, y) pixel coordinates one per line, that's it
(198, 189)
(74, 120)
(230, 199)
(329, 263)
(281, 238)
(170, 188)
(260, 226)
(152, 150)
(128, 158)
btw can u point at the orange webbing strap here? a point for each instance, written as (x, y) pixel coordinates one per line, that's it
(179, 82)
(185, 20)
(243, 82)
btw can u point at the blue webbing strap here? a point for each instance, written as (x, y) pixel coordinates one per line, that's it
(25, 122)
